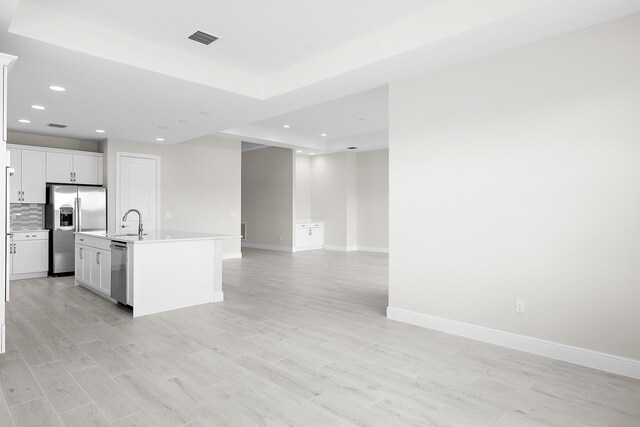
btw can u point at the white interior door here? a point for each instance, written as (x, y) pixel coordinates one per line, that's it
(139, 188)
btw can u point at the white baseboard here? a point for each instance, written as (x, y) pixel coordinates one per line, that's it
(232, 255)
(28, 275)
(373, 249)
(579, 356)
(340, 248)
(218, 296)
(355, 248)
(266, 247)
(307, 248)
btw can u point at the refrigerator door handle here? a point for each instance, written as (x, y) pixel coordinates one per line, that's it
(79, 213)
(75, 215)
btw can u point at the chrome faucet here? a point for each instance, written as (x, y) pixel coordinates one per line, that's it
(126, 214)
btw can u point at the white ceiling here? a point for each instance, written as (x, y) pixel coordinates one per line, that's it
(336, 62)
(256, 36)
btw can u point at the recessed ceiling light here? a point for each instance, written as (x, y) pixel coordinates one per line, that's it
(299, 151)
(37, 107)
(312, 153)
(286, 126)
(57, 88)
(160, 139)
(323, 134)
(99, 130)
(24, 121)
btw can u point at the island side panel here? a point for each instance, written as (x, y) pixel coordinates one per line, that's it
(171, 275)
(218, 294)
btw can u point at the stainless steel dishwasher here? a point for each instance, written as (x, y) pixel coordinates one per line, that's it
(119, 271)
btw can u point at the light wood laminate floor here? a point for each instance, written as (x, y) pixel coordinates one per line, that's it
(300, 340)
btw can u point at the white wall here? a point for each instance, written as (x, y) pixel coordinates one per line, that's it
(373, 200)
(350, 192)
(331, 189)
(200, 185)
(303, 187)
(521, 172)
(267, 197)
(53, 141)
(201, 188)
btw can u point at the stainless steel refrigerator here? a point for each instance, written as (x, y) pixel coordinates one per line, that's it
(71, 208)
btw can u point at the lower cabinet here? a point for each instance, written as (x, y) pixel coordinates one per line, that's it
(29, 254)
(309, 236)
(93, 267)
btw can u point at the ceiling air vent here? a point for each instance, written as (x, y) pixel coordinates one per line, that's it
(57, 125)
(203, 38)
(352, 148)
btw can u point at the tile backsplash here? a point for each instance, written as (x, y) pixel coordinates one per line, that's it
(27, 216)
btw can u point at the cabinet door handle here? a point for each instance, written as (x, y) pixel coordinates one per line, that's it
(81, 251)
(98, 258)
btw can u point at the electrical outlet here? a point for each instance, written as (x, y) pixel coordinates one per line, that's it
(519, 306)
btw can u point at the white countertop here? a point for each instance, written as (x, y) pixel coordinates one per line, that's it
(158, 236)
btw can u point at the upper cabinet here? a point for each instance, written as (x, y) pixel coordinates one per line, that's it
(34, 167)
(59, 167)
(74, 168)
(87, 169)
(27, 185)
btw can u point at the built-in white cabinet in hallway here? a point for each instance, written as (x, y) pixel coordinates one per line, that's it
(74, 168)
(309, 235)
(93, 264)
(29, 252)
(27, 185)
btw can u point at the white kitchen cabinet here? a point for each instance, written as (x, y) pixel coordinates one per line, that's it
(79, 270)
(86, 264)
(86, 169)
(309, 236)
(15, 182)
(104, 268)
(28, 181)
(93, 264)
(99, 264)
(72, 168)
(59, 167)
(29, 254)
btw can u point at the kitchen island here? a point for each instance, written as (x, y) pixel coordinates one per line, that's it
(164, 270)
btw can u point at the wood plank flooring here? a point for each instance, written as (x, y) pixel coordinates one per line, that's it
(300, 340)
